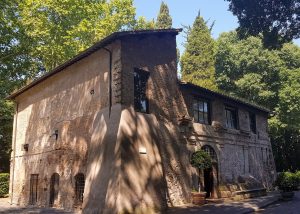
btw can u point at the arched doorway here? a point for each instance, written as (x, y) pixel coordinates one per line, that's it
(210, 176)
(54, 188)
(79, 188)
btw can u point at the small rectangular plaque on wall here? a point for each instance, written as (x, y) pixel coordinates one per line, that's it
(142, 150)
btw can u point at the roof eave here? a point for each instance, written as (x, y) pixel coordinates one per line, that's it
(102, 43)
(261, 108)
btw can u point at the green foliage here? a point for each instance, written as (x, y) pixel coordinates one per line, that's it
(244, 68)
(288, 108)
(141, 24)
(285, 122)
(4, 184)
(285, 144)
(201, 160)
(198, 59)
(287, 181)
(297, 173)
(38, 35)
(61, 29)
(15, 67)
(6, 125)
(276, 20)
(164, 20)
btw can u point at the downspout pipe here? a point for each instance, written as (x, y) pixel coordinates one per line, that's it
(14, 151)
(110, 79)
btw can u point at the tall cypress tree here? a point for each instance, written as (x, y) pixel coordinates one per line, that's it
(164, 20)
(197, 62)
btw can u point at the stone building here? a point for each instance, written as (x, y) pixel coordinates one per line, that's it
(112, 131)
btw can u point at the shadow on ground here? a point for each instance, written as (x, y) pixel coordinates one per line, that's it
(216, 209)
(231, 207)
(28, 210)
(6, 208)
(279, 207)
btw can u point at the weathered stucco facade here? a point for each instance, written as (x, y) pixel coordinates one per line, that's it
(80, 118)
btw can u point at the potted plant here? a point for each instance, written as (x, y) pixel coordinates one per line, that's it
(287, 182)
(200, 160)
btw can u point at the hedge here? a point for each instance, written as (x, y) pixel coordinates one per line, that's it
(288, 181)
(4, 184)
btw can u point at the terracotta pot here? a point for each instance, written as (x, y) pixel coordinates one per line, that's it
(198, 198)
(287, 196)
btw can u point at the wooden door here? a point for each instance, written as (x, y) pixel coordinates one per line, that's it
(33, 189)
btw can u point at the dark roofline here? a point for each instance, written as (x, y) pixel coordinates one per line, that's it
(223, 95)
(102, 43)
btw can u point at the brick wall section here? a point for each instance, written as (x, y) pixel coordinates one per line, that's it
(168, 102)
(133, 162)
(170, 182)
(241, 153)
(75, 103)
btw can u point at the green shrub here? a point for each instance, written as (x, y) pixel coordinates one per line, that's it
(298, 177)
(201, 160)
(287, 181)
(4, 184)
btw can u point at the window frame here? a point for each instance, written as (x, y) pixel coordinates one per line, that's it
(33, 189)
(234, 111)
(211, 152)
(252, 116)
(79, 179)
(137, 95)
(208, 103)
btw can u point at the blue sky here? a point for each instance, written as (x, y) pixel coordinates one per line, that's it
(184, 13)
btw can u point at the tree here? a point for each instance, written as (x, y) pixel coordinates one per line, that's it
(285, 122)
(141, 24)
(16, 67)
(38, 35)
(61, 29)
(6, 122)
(164, 20)
(278, 21)
(269, 77)
(246, 69)
(198, 59)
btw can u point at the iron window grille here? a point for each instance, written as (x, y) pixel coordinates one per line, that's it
(79, 188)
(211, 152)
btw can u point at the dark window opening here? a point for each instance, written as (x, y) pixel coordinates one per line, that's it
(270, 156)
(141, 103)
(252, 118)
(201, 111)
(231, 117)
(56, 134)
(79, 188)
(33, 189)
(54, 188)
(25, 147)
